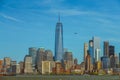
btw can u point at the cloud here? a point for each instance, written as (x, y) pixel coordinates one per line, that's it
(68, 12)
(9, 17)
(73, 12)
(114, 40)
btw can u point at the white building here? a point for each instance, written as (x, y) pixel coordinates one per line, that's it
(47, 67)
(28, 64)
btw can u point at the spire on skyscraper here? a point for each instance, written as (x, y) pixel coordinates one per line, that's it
(59, 17)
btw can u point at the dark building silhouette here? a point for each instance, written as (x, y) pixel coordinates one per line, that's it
(105, 62)
(111, 50)
(119, 59)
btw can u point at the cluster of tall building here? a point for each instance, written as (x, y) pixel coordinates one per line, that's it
(41, 61)
(95, 61)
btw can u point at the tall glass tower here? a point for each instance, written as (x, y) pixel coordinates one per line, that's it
(33, 54)
(96, 45)
(59, 41)
(91, 52)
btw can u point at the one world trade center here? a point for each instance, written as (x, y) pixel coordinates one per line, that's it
(59, 41)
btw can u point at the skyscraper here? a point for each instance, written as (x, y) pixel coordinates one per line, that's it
(68, 56)
(112, 61)
(88, 65)
(106, 48)
(33, 54)
(91, 53)
(105, 62)
(85, 50)
(28, 64)
(119, 59)
(97, 55)
(59, 41)
(40, 58)
(96, 45)
(7, 62)
(111, 50)
(48, 55)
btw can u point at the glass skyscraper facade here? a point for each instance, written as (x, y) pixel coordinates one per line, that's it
(59, 41)
(33, 54)
(96, 45)
(105, 62)
(91, 51)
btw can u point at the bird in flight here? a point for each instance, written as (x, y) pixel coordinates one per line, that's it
(75, 33)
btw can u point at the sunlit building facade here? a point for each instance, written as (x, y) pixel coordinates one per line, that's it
(28, 64)
(96, 45)
(85, 50)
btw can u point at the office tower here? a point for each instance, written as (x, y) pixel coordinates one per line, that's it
(68, 56)
(7, 62)
(105, 62)
(112, 61)
(91, 51)
(33, 54)
(85, 50)
(21, 67)
(48, 55)
(75, 61)
(68, 60)
(28, 64)
(1, 65)
(96, 45)
(59, 41)
(47, 67)
(97, 55)
(116, 61)
(40, 58)
(119, 59)
(17, 68)
(111, 50)
(106, 48)
(13, 67)
(88, 65)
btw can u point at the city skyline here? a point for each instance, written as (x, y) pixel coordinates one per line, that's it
(31, 23)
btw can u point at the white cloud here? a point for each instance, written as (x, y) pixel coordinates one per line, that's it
(68, 12)
(9, 17)
(114, 40)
